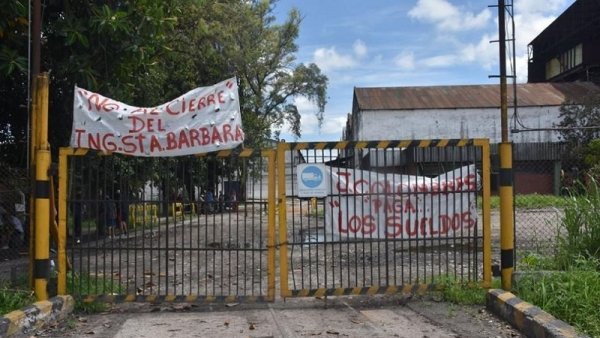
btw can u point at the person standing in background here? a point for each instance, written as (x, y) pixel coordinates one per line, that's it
(109, 216)
(122, 213)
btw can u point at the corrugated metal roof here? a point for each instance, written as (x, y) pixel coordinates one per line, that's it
(469, 96)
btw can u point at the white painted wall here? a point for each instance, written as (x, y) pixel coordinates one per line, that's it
(456, 123)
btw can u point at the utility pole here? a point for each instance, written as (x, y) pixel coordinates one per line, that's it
(506, 173)
(39, 160)
(36, 32)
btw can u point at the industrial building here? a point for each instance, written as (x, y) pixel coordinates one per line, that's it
(569, 48)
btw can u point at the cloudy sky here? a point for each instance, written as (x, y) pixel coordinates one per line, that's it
(391, 43)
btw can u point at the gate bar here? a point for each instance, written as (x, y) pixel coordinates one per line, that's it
(271, 267)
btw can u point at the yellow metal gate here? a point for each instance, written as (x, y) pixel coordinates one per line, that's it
(192, 229)
(389, 216)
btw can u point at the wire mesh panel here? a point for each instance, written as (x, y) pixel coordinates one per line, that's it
(382, 217)
(14, 224)
(171, 229)
(543, 181)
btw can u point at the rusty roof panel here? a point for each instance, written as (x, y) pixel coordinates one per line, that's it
(470, 96)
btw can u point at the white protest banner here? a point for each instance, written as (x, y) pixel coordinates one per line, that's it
(366, 204)
(202, 120)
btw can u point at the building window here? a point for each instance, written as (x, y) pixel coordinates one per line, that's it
(552, 68)
(565, 61)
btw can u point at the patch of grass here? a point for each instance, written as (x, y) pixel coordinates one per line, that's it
(78, 284)
(533, 261)
(454, 291)
(572, 296)
(319, 212)
(581, 222)
(572, 292)
(532, 201)
(90, 307)
(15, 297)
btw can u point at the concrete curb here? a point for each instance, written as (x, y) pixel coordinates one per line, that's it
(528, 318)
(20, 323)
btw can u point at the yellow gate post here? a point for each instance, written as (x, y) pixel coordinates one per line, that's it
(62, 221)
(41, 267)
(485, 206)
(281, 199)
(506, 215)
(271, 271)
(32, 149)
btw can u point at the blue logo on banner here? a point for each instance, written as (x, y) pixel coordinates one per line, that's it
(311, 176)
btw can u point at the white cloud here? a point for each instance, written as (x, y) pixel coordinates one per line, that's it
(522, 65)
(303, 104)
(330, 59)
(483, 52)
(333, 125)
(360, 49)
(440, 61)
(531, 18)
(405, 61)
(448, 17)
(536, 6)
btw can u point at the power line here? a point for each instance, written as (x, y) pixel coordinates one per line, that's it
(516, 131)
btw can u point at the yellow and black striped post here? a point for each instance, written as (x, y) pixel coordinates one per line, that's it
(41, 263)
(506, 215)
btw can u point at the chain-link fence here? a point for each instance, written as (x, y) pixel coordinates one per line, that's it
(542, 181)
(14, 223)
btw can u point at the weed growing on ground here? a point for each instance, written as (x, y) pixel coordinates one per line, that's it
(571, 292)
(531, 201)
(14, 297)
(532, 261)
(93, 286)
(581, 223)
(464, 293)
(572, 295)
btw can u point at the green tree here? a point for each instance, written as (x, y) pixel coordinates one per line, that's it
(592, 160)
(114, 48)
(146, 52)
(262, 54)
(581, 123)
(13, 82)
